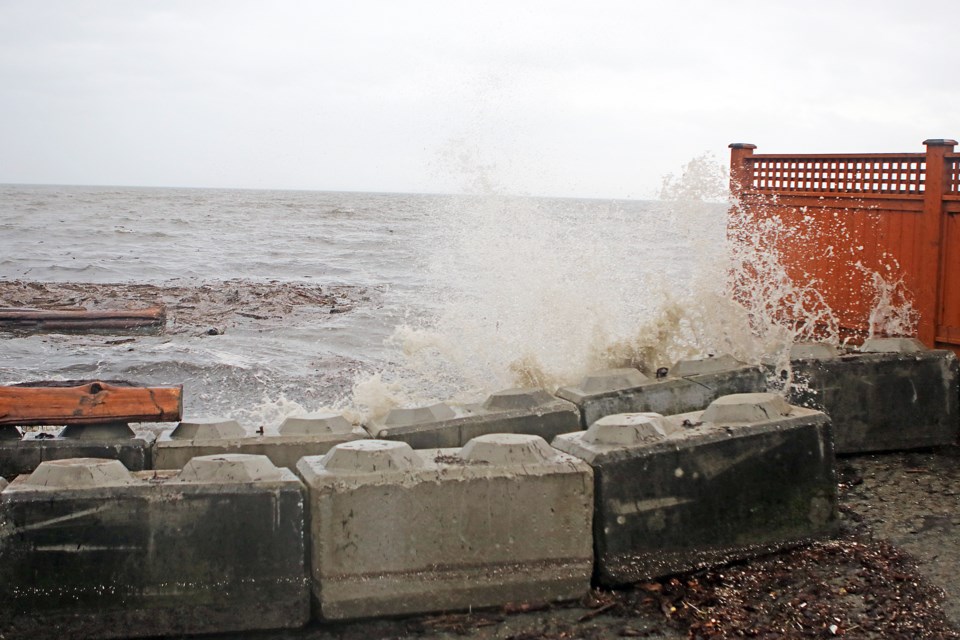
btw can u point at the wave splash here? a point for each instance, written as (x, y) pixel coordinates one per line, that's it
(530, 292)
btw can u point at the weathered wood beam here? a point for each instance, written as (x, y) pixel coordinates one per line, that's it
(78, 402)
(150, 320)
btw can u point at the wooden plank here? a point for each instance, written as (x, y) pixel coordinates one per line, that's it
(78, 402)
(149, 320)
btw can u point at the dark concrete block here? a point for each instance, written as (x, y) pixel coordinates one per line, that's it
(21, 456)
(667, 396)
(676, 494)
(883, 401)
(88, 550)
(524, 411)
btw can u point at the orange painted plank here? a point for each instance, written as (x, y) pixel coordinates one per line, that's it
(84, 402)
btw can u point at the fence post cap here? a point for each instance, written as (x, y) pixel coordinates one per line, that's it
(940, 142)
(741, 145)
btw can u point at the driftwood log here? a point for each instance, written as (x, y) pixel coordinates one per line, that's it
(150, 320)
(78, 402)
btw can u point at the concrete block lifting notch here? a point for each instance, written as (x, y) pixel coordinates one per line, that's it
(399, 531)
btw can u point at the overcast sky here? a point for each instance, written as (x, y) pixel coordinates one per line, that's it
(597, 99)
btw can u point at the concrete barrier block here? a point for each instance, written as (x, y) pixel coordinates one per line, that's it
(669, 395)
(400, 531)
(115, 442)
(89, 550)
(299, 435)
(9, 432)
(679, 493)
(883, 401)
(525, 411)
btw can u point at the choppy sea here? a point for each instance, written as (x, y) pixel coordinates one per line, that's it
(453, 296)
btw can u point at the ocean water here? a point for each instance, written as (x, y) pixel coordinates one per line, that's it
(448, 297)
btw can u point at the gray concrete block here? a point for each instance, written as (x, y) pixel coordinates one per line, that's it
(883, 401)
(670, 395)
(134, 450)
(401, 531)
(298, 436)
(677, 493)
(527, 411)
(89, 550)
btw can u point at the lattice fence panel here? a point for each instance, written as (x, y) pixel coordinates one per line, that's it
(953, 175)
(888, 175)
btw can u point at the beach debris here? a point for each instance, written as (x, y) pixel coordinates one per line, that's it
(150, 320)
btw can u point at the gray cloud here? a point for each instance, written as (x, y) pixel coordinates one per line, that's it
(564, 98)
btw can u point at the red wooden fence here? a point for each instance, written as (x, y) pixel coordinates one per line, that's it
(847, 215)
